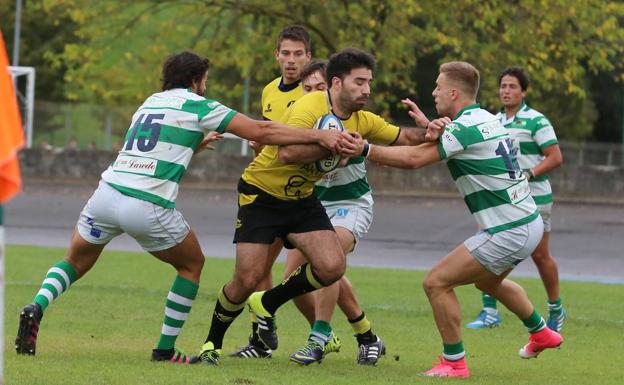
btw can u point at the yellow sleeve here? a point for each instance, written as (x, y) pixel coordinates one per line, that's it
(377, 130)
(306, 111)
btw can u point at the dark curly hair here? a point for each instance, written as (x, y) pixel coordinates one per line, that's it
(518, 73)
(342, 63)
(182, 69)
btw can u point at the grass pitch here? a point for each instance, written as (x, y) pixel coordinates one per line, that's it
(102, 330)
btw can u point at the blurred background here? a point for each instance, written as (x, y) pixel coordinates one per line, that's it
(95, 61)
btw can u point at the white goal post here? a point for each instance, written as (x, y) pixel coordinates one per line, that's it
(28, 101)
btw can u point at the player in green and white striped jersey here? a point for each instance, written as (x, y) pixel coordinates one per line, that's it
(137, 194)
(538, 153)
(481, 158)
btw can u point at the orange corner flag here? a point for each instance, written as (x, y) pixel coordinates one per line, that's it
(11, 132)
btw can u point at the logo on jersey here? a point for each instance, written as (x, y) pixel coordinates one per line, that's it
(239, 223)
(544, 122)
(268, 108)
(520, 123)
(292, 188)
(290, 103)
(451, 127)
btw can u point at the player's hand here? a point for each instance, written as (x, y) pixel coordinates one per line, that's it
(415, 113)
(330, 139)
(435, 128)
(256, 146)
(210, 137)
(352, 145)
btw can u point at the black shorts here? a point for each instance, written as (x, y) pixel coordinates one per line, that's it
(262, 217)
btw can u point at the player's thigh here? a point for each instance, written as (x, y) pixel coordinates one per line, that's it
(186, 254)
(321, 248)
(457, 268)
(252, 262)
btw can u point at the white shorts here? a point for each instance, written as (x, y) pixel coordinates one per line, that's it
(545, 212)
(504, 250)
(356, 219)
(108, 213)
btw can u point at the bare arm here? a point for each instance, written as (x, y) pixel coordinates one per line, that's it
(274, 133)
(301, 153)
(553, 159)
(405, 156)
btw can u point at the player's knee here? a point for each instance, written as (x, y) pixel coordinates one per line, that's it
(541, 256)
(431, 284)
(248, 280)
(330, 271)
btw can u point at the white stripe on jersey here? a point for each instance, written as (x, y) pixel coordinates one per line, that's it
(169, 152)
(468, 185)
(160, 187)
(503, 214)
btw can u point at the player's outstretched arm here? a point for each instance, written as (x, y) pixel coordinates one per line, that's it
(405, 156)
(274, 133)
(351, 145)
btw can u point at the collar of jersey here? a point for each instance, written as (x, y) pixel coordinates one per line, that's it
(470, 107)
(287, 87)
(522, 105)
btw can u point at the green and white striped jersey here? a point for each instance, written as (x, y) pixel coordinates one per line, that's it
(532, 133)
(345, 184)
(164, 134)
(481, 158)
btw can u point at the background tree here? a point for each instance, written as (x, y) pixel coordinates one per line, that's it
(567, 46)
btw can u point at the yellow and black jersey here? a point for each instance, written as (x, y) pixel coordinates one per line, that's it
(296, 181)
(277, 97)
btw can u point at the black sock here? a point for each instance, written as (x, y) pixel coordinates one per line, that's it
(224, 314)
(301, 281)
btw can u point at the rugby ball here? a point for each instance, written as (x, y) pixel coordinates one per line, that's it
(328, 122)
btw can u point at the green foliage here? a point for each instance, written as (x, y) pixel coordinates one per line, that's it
(102, 330)
(115, 59)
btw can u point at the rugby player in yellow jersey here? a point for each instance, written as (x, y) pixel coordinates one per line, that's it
(277, 201)
(292, 53)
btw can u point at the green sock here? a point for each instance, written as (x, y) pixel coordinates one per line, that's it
(488, 301)
(555, 307)
(179, 302)
(454, 352)
(320, 333)
(534, 323)
(57, 280)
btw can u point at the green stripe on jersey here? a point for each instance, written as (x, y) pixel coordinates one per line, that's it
(351, 190)
(355, 160)
(225, 122)
(484, 199)
(143, 196)
(513, 224)
(548, 143)
(461, 167)
(543, 199)
(530, 148)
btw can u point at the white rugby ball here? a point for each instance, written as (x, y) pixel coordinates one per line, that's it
(328, 122)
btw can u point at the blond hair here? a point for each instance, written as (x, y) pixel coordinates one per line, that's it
(464, 75)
